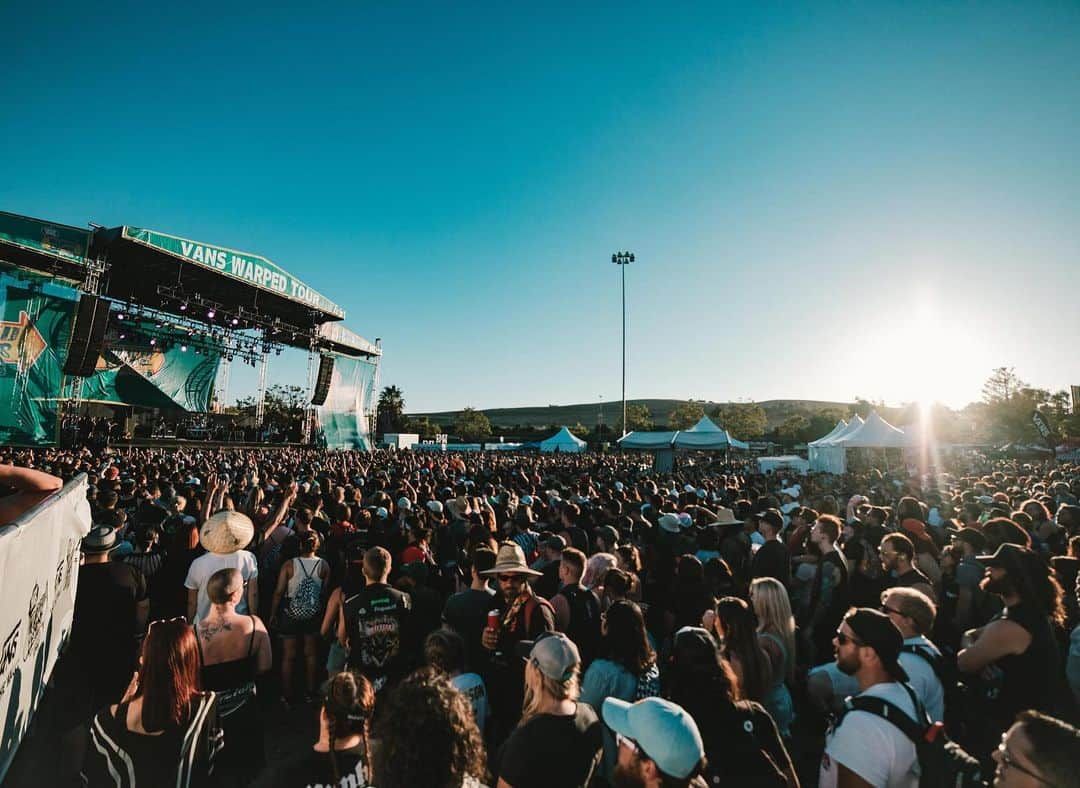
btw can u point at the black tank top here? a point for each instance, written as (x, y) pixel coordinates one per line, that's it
(1028, 679)
(233, 680)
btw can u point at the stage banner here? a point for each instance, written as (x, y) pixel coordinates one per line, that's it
(247, 267)
(39, 569)
(36, 315)
(344, 416)
(167, 377)
(58, 240)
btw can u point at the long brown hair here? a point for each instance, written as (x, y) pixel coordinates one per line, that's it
(349, 703)
(168, 673)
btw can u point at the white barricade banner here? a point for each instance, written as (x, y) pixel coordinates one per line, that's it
(39, 569)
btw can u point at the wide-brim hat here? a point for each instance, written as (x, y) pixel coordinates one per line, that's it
(101, 539)
(227, 532)
(725, 516)
(510, 561)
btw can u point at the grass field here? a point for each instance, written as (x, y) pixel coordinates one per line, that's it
(589, 414)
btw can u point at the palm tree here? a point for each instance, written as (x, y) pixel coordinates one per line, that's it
(391, 409)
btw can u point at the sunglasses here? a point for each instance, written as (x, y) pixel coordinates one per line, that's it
(511, 578)
(843, 639)
(893, 610)
(630, 744)
(1008, 762)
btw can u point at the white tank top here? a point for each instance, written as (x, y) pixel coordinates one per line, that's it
(311, 566)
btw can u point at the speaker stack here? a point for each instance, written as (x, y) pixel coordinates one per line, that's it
(322, 382)
(87, 336)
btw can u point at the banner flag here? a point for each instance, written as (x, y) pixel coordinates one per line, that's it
(166, 376)
(36, 316)
(39, 570)
(343, 417)
(1075, 397)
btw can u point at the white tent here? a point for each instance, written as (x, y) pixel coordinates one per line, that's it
(875, 433)
(706, 435)
(828, 456)
(648, 441)
(564, 442)
(813, 446)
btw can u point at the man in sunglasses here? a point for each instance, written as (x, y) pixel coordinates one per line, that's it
(865, 749)
(521, 615)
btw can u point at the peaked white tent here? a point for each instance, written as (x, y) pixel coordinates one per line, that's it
(875, 433)
(706, 435)
(564, 442)
(828, 455)
(813, 447)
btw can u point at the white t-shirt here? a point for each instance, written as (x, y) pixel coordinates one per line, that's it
(873, 748)
(472, 687)
(922, 678)
(205, 565)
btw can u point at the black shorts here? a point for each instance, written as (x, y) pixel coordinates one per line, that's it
(289, 627)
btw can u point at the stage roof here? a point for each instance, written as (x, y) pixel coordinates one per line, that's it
(141, 259)
(47, 247)
(160, 271)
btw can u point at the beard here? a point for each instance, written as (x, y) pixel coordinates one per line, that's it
(624, 777)
(849, 666)
(1001, 587)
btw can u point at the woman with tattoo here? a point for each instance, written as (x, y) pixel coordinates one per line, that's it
(234, 649)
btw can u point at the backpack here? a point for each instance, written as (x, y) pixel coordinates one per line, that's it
(584, 628)
(304, 605)
(942, 762)
(746, 761)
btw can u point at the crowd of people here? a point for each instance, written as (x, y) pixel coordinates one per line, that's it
(520, 620)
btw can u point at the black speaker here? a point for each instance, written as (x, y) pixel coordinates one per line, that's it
(87, 336)
(322, 382)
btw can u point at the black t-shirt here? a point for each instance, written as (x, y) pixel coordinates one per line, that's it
(773, 560)
(380, 634)
(311, 769)
(103, 624)
(553, 750)
(466, 613)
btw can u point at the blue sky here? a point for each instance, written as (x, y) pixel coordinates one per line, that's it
(825, 200)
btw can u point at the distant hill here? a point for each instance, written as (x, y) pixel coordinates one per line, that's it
(589, 413)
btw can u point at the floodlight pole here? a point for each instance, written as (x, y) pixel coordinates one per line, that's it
(623, 259)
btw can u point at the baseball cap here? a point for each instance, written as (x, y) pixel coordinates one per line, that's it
(876, 630)
(404, 504)
(553, 653)
(608, 534)
(435, 507)
(666, 734)
(526, 500)
(670, 523)
(554, 542)
(972, 536)
(381, 513)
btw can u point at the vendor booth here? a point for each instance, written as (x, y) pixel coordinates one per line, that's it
(563, 442)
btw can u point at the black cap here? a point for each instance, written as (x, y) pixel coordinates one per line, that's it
(1014, 558)
(876, 630)
(972, 536)
(554, 542)
(773, 518)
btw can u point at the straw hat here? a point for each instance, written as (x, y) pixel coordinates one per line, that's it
(226, 532)
(510, 561)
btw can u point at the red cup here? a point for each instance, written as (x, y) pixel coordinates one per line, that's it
(494, 619)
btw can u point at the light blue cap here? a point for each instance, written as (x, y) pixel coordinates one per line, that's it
(664, 731)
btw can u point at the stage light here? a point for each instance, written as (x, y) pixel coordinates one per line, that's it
(183, 348)
(119, 315)
(123, 336)
(153, 341)
(211, 314)
(235, 321)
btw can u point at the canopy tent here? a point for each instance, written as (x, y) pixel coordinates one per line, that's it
(826, 455)
(564, 442)
(840, 427)
(813, 447)
(647, 441)
(705, 435)
(875, 433)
